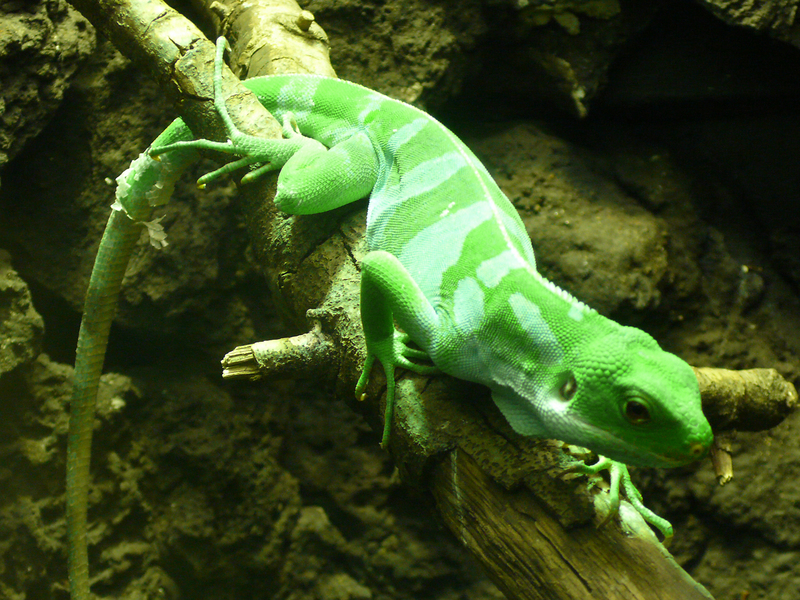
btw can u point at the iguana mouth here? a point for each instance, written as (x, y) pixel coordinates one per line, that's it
(624, 451)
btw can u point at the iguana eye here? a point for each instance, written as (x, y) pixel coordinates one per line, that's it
(636, 412)
(569, 388)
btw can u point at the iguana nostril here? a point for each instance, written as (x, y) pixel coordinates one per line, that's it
(698, 449)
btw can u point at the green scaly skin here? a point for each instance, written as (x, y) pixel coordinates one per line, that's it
(450, 262)
(101, 301)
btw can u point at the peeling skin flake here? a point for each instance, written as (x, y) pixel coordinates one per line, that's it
(156, 181)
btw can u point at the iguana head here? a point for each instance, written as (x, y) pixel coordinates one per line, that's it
(618, 394)
(623, 397)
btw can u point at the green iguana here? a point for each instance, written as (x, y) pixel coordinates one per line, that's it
(449, 262)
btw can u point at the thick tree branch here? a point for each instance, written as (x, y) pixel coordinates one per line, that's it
(749, 400)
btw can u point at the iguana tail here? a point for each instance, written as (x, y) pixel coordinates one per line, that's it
(145, 185)
(101, 303)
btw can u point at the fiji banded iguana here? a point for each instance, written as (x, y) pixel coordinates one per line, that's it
(449, 262)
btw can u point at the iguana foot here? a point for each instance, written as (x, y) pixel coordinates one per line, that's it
(392, 353)
(619, 475)
(264, 154)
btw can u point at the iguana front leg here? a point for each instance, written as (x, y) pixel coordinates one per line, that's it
(389, 294)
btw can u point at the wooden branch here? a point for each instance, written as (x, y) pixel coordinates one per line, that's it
(174, 51)
(303, 356)
(531, 556)
(269, 37)
(749, 400)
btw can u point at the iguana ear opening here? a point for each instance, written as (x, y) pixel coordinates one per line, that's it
(568, 389)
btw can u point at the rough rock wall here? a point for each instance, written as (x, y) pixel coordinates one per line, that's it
(41, 46)
(653, 209)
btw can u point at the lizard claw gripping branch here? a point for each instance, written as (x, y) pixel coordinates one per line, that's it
(449, 262)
